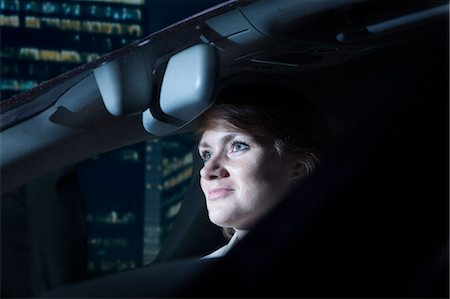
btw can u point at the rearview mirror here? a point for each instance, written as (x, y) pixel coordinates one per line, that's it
(187, 90)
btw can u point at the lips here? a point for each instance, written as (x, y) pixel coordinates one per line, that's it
(219, 192)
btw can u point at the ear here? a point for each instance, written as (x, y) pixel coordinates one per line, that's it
(298, 170)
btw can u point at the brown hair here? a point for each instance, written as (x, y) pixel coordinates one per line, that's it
(262, 122)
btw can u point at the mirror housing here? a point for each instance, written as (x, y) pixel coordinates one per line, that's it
(187, 90)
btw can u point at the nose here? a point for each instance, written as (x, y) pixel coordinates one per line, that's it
(214, 168)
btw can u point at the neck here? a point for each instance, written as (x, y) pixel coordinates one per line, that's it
(240, 233)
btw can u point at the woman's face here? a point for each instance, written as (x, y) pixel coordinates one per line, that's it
(242, 177)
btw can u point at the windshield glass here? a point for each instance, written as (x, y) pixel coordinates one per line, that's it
(131, 197)
(106, 214)
(84, 34)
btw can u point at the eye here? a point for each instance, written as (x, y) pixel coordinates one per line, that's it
(205, 155)
(238, 146)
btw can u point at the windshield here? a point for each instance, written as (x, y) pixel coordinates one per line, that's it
(106, 214)
(84, 35)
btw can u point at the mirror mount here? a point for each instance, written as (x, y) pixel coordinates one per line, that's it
(126, 84)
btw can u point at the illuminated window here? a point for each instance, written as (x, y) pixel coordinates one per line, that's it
(29, 53)
(131, 14)
(88, 26)
(107, 11)
(9, 84)
(130, 155)
(136, 2)
(32, 22)
(179, 178)
(91, 57)
(173, 210)
(116, 28)
(112, 217)
(111, 28)
(9, 5)
(10, 21)
(106, 28)
(50, 8)
(70, 56)
(71, 9)
(116, 14)
(27, 84)
(51, 22)
(175, 164)
(51, 55)
(108, 43)
(68, 24)
(134, 30)
(151, 232)
(32, 6)
(19, 85)
(94, 11)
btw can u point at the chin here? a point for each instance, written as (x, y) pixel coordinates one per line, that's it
(221, 221)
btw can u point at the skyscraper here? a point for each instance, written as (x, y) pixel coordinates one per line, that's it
(42, 39)
(168, 172)
(112, 189)
(132, 196)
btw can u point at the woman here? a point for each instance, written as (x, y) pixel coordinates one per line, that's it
(255, 150)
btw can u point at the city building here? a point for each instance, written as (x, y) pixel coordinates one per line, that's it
(168, 172)
(112, 191)
(43, 39)
(131, 195)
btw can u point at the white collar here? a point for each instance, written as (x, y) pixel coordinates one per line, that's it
(237, 236)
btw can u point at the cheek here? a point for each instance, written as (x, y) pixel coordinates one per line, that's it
(202, 185)
(268, 179)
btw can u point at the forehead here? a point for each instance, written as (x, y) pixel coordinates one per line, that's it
(223, 134)
(219, 133)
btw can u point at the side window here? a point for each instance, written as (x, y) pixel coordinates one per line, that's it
(131, 198)
(106, 214)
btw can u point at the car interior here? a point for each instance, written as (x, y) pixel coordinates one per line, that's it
(372, 221)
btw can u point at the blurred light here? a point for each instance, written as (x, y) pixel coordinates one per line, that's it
(10, 21)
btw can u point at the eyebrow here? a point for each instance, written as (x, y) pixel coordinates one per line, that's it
(204, 144)
(224, 138)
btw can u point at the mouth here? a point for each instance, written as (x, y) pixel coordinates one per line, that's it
(219, 192)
